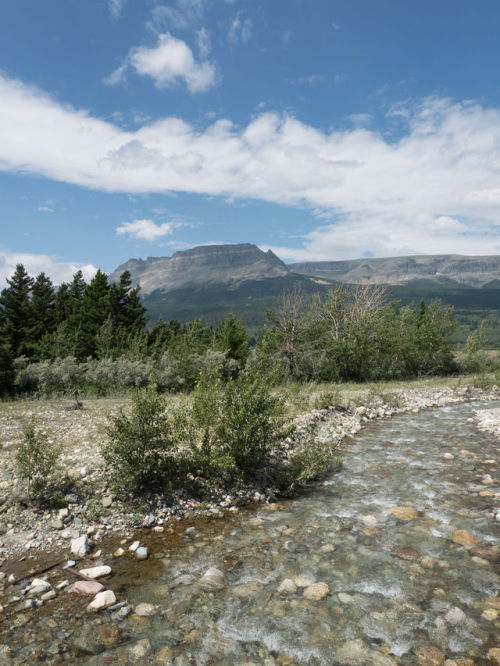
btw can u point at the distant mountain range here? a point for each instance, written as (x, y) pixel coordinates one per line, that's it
(211, 280)
(230, 264)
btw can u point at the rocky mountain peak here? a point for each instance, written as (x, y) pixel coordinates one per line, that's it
(203, 265)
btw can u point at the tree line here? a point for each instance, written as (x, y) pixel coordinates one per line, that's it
(96, 334)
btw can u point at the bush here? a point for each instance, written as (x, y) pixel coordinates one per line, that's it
(236, 428)
(141, 451)
(36, 458)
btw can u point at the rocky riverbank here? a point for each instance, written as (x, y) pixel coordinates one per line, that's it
(391, 561)
(92, 512)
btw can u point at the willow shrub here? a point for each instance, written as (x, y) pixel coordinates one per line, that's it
(141, 452)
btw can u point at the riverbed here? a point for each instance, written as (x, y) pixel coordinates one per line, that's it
(392, 560)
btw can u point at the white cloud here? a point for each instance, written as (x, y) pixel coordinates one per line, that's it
(45, 209)
(145, 229)
(58, 271)
(115, 7)
(167, 63)
(203, 41)
(240, 29)
(185, 14)
(387, 197)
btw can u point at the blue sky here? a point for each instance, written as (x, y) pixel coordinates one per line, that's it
(322, 129)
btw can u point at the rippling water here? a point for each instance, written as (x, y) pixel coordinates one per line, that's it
(397, 584)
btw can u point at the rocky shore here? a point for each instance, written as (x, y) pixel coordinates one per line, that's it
(49, 559)
(92, 512)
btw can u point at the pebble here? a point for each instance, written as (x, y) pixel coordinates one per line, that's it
(212, 579)
(465, 538)
(134, 546)
(96, 572)
(86, 587)
(404, 512)
(102, 600)
(142, 553)
(145, 610)
(287, 586)
(51, 594)
(81, 546)
(430, 656)
(303, 581)
(494, 656)
(316, 591)
(455, 616)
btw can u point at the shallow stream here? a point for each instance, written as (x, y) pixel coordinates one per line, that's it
(379, 534)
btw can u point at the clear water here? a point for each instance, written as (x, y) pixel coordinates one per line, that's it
(381, 608)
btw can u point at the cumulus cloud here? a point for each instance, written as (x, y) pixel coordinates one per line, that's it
(145, 229)
(58, 271)
(433, 190)
(169, 62)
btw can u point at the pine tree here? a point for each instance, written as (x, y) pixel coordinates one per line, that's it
(17, 312)
(232, 339)
(42, 305)
(96, 309)
(6, 369)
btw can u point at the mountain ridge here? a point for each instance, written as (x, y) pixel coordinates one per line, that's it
(243, 262)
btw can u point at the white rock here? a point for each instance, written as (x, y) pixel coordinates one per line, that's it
(449, 456)
(51, 594)
(40, 582)
(96, 572)
(102, 600)
(212, 579)
(287, 586)
(81, 546)
(145, 610)
(455, 616)
(134, 546)
(142, 553)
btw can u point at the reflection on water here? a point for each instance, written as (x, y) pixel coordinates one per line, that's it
(398, 583)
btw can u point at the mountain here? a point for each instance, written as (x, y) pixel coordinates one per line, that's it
(204, 265)
(210, 281)
(441, 268)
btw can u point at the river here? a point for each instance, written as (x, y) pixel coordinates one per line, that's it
(367, 567)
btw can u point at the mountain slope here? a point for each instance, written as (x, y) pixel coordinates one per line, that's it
(469, 271)
(207, 264)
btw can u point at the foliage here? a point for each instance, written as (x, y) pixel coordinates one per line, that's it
(141, 452)
(36, 457)
(354, 334)
(235, 428)
(7, 373)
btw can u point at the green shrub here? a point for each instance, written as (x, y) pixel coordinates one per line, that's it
(236, 428)
(141, 450)
(36, 458)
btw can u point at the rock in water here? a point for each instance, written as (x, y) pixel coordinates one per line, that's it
(142, 553)
(96, 572)
(316, 591)
(102, 600)
(430, 656)
(212, 579)
(465, 538)
(287, 586)
(86, 587)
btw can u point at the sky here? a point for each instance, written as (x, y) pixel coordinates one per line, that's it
(320, 129)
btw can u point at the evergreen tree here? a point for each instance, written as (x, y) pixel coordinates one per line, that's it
(62, 304)
(17, 312)
(232, 338)
(95, 311)
(6, 369)
(42, 305)
(127, 312)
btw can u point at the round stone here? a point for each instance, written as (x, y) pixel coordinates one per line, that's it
(316, 591)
